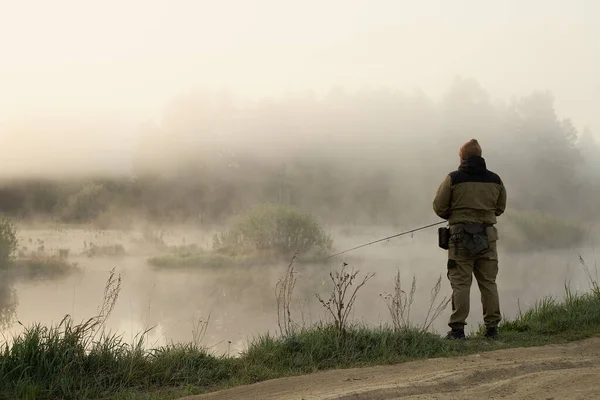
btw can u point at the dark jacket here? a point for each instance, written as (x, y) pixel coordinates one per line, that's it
(471, 194)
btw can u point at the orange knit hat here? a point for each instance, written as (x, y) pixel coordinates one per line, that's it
(470, 148)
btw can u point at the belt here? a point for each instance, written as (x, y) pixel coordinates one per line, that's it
(458, 228)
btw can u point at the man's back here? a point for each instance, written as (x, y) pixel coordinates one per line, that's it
(471, 195)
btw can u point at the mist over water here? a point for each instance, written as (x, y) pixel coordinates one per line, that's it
(241, 303)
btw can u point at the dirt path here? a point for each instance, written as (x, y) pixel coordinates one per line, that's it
(554, 372)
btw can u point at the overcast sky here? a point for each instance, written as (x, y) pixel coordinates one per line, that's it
(127, 58)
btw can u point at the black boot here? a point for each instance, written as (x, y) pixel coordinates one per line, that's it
(491, 333)
(456, 334)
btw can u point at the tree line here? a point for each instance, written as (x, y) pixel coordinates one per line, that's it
(373, 157)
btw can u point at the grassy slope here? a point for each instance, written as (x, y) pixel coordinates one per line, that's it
(51, 362)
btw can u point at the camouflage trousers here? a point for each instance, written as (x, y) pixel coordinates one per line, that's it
(461, 269)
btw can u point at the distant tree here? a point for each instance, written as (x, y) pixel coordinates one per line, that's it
(543, 154)
(590, 151)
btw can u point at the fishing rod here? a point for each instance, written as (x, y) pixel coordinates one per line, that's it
(387, 238)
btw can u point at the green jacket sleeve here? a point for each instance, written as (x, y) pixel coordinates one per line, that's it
(441, 202)
(501, 204)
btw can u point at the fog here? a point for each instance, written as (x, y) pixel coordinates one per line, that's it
(66, 61)
(116, 116)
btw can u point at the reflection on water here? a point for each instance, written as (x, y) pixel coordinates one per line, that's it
(8, 302)
(241, 302)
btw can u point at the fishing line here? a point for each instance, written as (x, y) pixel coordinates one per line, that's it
(384, 239)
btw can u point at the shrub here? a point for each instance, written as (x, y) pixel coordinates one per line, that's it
(399, 305)
(279, 230)
(109, 250)
(45, 267)
(338, 305)
(8, 303)
(8, 242)
(534, 230)
(199, 259)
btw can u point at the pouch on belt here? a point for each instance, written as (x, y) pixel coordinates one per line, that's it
(475, 238)
(444, 238)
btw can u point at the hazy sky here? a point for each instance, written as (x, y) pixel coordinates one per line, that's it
(68, 59)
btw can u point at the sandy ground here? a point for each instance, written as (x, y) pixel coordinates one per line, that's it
(554, 372)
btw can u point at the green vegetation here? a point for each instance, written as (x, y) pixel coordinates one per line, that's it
(8, 304)
(109, 250)
(196, 259)
(37, 264)
(16, 264)
(265, 234)
(190, 256)
(83, 361)
(278, 230)
(8, 242)
(576, 314)
(44, 267)
(534, 230)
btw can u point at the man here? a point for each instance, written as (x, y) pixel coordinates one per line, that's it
(470, 199)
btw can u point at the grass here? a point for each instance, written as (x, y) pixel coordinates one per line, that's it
(63, 362)
(195, 259)
(212, 259)
(193, 256)
(83, 361)
(109, 250)
(534, 230)
(553, 317)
